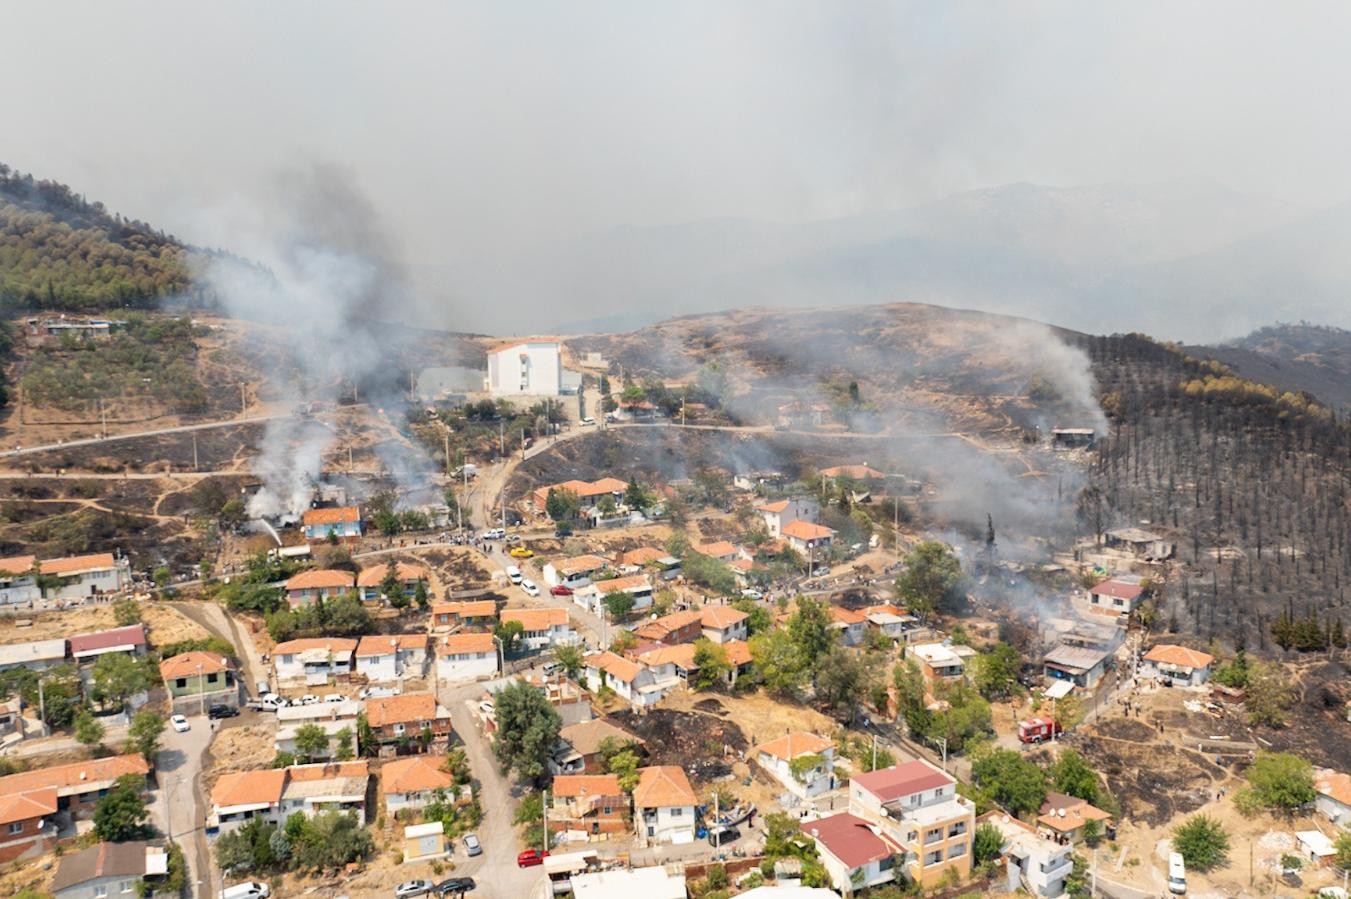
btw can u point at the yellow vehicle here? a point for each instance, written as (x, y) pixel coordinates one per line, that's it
(520, 552)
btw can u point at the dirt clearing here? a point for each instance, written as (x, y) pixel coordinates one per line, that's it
(164, 623)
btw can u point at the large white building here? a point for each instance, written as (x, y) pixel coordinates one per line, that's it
(532, 368)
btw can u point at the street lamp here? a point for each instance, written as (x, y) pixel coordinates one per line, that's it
(201, 689)
(501, 655)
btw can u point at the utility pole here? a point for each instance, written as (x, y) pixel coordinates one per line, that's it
(544, 807)
(103, 415)
(201, 693)
(42, 704)
(349, 458)
(501, 438)
(194, 451)
(243, 398)
(874, 766)
(447, 437)
(522, 444)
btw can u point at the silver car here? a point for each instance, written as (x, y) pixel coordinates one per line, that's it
(471, 845)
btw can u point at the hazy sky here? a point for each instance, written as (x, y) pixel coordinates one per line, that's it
(492, 131)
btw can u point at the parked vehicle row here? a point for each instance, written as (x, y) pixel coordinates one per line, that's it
(454, 886)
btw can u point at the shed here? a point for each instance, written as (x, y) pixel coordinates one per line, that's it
(423, 842)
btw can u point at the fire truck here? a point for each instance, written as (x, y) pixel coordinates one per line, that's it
(1037, 730)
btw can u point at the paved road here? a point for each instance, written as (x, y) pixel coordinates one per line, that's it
(180, 429)
(220, 624)
(178, 807)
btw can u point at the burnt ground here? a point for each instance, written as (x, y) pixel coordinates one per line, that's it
(456, 570)
(217, 448)
(1316, 726)
(704, 742)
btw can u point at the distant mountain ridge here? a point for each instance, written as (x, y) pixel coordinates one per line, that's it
(1315, 359)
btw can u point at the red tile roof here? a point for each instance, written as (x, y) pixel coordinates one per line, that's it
(574, 785)
(335, 645)
(382, 645)
(61, 777)
(857, 472)
(1181, 656)
(717, 548)
(662, 787)
(849, 839)
(17, 565)
(467, 643)
(1117, 589)
(805, 530)
(417, 774)
(374, 575)
(721, 617)
(331, 516)
(410, 708)
(321, 579)
(24, 806)
(188, 664)
(902, 780)
(78, 564)
(613, 665)
(131, 635)
(536, 619)
(795, 744)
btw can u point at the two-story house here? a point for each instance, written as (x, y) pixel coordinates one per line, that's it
(891, 621)
(636, 585)
(371, 581)
(196, 681)
(413, 782)
(807, 538)
(275, 794)
(579, 746)
(938, 662)
(312, 661)
(1031, 862)
(27, 823)
(466, 657)
(342, 524)
(574, 572)
(915, 806)
(109, 869)
(778, 514)
(853, 852)
(804, 763)
(664, 806)
(634, 683)
(388, 659)
(410, 722)
(33, 801)
(542, 628)
(307, 587)
(590, 803)
(677, 627)
(470, 615)
(1062, 818)
(724, 624)
(850, 626)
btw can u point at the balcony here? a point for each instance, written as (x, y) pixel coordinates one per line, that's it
(1058, 870)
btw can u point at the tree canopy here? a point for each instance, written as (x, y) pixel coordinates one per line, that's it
(527, 730)
(932, 576)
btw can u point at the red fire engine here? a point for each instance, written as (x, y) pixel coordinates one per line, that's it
(1037, 730)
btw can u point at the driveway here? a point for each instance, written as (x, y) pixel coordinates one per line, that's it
(495, 870)
(178, 805)
(221, 624)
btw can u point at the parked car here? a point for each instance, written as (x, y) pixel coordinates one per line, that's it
(249, 890)
(309, 699)
(271, 702)
(472, 845)
(721, 836)
(752, 593)
(180, 724)
(820, 571)
(487, 708)
(222, 711)
(334, 697)
(552, 668)
(560, 590)
(455, 886)
(531, 857)
(588, 421)
(411, 888)
(521, 552)
(378, 692)
(530, 587)
(494, 534)
(513, 538)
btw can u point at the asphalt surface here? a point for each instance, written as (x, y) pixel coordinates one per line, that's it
(178, 804)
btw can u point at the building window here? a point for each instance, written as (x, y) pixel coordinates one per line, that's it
(100, 892)
(677, 812)
(127, 886)
(607, 810)
(957, 829)
(933, 858)
(957, 850)
(16, 827)
(933, 836)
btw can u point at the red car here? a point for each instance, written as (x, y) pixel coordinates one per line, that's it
(560, 590)
(531, 857)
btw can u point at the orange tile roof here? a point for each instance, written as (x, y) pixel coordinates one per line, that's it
(536, 619)
(885, 608)
(579, 563)
(615, 666)
(1077, 813)
(249, 788)
(575, 785)
(609, 485)
(62, 777)
(416, 774)
(1181, 656)
(585, 737)
(721, 617)
(17, 565)
(335, 645)
(322, 578)
(805, 530)
(17, 807)
(794, 745)
(77, 564)
(773, 507)
(327, 771)
(662, 786)
(374, 575)
(380, 645)
(643, 555)
(682, 655)
(632, 582)
(188, 664)
(467, 643)
(847, 616)
(409, 708)
(1333, 784)
(738, 652)
(717, 548)
(331, 516)
(660, 628)
(478, 608)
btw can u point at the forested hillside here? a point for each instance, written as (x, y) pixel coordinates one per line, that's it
(1255, 484)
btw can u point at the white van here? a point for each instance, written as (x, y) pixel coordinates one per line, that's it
(513, 574)
(1177, 873)
(250, 890)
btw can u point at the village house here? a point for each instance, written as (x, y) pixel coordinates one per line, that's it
(852, 851)
(636, 585)
(80, 577)
(664, 806)
(129, 640)
(18, 580)
(1141, 543)
(891, 621)
(331, 717)
(1180, 666)
(1031, 862)
(851, 626)
(648, 558)
(37, 655)
(1120, 595)
(722, 550)
(1080, 666)
(466, 657)
(410, 722)
(196, 681)
(782, 512)
(806, 537)
(1334, 796)
(284, 739)
(739, 657)
(11, 713)
(588, 493)
(632, 682)
(573, 572)
(388, 659)
(724, 624)
(751, 481)
(542, 628)
(274, 794)
(852, 473)
(804, 763)
(578, 751)
(413, 782)
(109, 869)
(667, 663)
(915, 806)
(370, 583)
(587, 803)
(937, 662)
(312, 661)
(529, 368)
(677, 627)
(1062, 818)
(426, 842)
(472, 615)
(343, 523)
(307, 587)
(40, 802)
